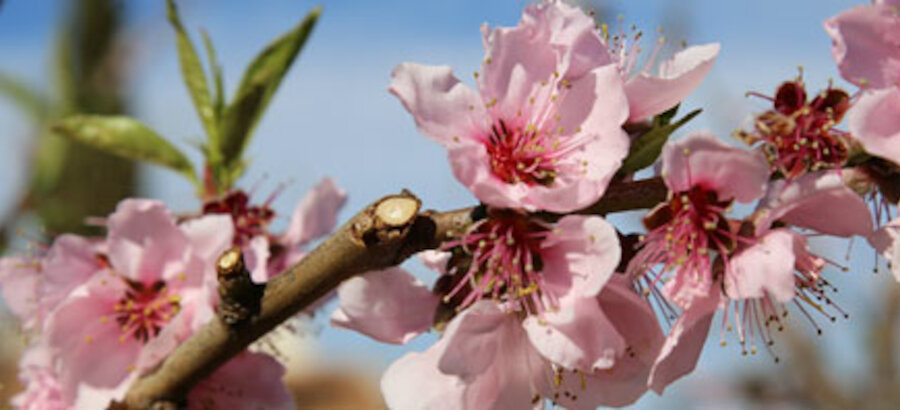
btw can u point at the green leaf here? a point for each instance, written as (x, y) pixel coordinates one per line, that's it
(194, 76)
(646, 149)
(29, 100)
(260, 81)
(126, 137)
(219, 96)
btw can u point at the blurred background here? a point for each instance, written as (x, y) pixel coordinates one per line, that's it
(334, 117)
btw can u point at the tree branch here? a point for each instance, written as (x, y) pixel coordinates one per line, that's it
(383, 234)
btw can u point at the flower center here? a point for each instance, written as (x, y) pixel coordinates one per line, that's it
(800, 135)
(682, 232)
(499, 257)
(523, 155)
(145, 310)
(249, 221)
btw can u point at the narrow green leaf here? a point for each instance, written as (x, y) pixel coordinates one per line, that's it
(260, 81)
(216, 68)
(194, 76)
(29, 100)
(126, 137)
(646, 149)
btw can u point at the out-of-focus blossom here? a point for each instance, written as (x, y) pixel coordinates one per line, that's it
(268, 254)
(866, 46)
(543, 132)
(129, 315)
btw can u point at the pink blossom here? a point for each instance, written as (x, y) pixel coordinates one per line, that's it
(685, 233)
(267, 254)
(513, 258)
(544, 294)
(650, 94)
(156, 284)
(486, 359)
(543, 132)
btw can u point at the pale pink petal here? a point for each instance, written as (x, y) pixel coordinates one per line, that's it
(618, 386)
(443, 107)
(256, 256)
(20, 283)
(70, 262)
(766, 267)
(817, 201)
(435, 260)
(681, 350)
(473, 340)
(887, 242)
(874, 122)
(249, 381)
(144, 242)
(866, 45)
(649, 95)
(209, 236)
(388, 305)
(577, 336)
(414, 382)
(580, 255)
(315, 215)
(89, 346)
(703, 160)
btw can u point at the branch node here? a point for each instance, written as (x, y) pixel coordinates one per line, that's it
(240, 298)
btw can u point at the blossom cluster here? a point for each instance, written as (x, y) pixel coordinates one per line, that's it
(101, 311)
(539, 299)
(537, 303)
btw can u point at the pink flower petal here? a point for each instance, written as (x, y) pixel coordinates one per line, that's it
(558, 38)
(649, 95)
(414, 382)
(210, 235)
(435, 260)
(577, 336)
(439, 378)
(144, 242)
(388, 305)
(887, 242)
(766, 267)
(580, 255)
(703, 160)
(873, 120)
(20, 285)
(817, 201)
(681, 350)
(442, 106)
(256, 256)
(316, 214)
(866, 45)
(249, 381)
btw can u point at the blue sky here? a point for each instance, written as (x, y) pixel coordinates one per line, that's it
(334, 117)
